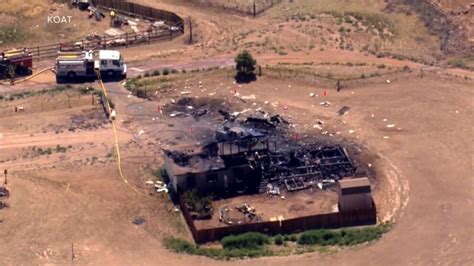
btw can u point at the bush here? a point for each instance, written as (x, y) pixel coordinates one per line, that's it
(250, 240)
(458, 63)
(147, 74)
(166, 72)
(59, 148)
(200, 206)
(278, 240)
(156, 72)
(342, 237)
(183, 246)
(174, 71)
(381, 66)
(245, 66)
(180, 245)
(293, 238)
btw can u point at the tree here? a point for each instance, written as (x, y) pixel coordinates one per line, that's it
(245, 66)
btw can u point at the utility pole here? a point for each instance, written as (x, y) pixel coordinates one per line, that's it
(72, 252)
(5, 172)
(190, 31)
(254, 9)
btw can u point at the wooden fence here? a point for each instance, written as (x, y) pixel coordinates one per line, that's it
(102, 42)
(295, 225)
(252, 8)
(134, 9)
(174, 22)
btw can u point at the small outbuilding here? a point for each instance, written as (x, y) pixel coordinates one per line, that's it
(355, 194)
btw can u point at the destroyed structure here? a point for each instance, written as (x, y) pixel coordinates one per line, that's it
(247, 156)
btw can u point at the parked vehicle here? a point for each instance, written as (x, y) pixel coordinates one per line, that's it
(15, 62)
(71, 65)
(111, 64)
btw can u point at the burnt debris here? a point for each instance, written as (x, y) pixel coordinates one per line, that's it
(254, 153)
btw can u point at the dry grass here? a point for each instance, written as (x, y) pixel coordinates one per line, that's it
(25, 8)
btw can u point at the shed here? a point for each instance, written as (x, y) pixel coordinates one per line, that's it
(355, 194)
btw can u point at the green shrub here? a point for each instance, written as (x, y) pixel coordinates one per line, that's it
(245, 66)
(166, 71)
(59, 148)
(174, 71)
(342, 237)
(293, 238)
(458, 63)
(147, 74)
(201, 206)
(180, 245)
(156, 72)
(381, 66)
(250, 240)
(278, 240)
(183, 246)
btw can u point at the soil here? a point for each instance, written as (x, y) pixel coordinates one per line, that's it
(72, 205)
(267, 207)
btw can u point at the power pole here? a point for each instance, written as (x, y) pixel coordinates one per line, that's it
(5, 172)
(190, 31)
(254, 9)
(72, 252)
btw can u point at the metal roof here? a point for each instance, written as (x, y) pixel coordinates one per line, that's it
(354, 182)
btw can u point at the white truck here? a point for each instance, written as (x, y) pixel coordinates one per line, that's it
(71, 65)
(110, 64)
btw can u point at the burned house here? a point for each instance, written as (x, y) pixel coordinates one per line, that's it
(254, 154)
(355, 194)
(243, 161)
(221, 167)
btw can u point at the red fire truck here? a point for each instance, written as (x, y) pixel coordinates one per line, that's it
(15, 62)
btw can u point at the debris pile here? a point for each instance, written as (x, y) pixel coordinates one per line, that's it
(248, 151)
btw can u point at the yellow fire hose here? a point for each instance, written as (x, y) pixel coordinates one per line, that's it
(117, 148)
(27, 78)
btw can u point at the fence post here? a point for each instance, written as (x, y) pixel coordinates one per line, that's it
(254, 9)
(190, 30)
(126, 38)
(38, 52)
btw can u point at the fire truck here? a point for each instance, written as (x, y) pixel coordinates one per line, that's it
(71, 65)
(15, 62)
